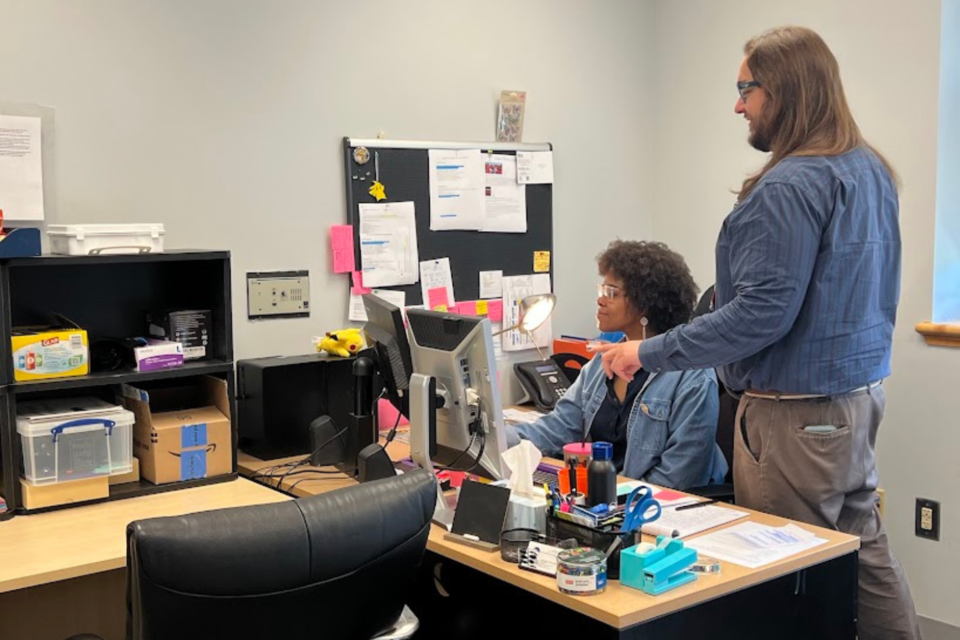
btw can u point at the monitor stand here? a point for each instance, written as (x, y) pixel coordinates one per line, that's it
(423, 437)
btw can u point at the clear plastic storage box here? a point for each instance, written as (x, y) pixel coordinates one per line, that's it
(74, 438)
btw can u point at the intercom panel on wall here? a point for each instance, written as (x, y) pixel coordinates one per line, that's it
(278, 294)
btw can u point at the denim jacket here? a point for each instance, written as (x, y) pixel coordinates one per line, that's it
(671, 432)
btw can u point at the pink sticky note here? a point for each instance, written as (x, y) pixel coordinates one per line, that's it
(468, 308)
(495, 310)
(358, 288)
(341, 246)
(667, 495)
(387, 416)
(437, 297)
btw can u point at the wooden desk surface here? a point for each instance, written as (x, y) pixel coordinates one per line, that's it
(47, 547)
(618, 606)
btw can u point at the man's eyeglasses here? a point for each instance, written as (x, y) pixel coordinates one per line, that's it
(744, 86)
(609, 291)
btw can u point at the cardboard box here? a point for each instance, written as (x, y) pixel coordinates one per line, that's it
(192, 329)
(54, 495)
(182, 433)
(123, 478)
(40, 353)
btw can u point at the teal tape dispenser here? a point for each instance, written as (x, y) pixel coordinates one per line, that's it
(656, 569)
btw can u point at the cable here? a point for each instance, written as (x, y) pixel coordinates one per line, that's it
(393, 431)
(478, 431)
(306, 460)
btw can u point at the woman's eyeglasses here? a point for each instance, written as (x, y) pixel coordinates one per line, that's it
(609, 291)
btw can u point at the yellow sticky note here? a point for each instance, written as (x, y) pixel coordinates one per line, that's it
(541, 261)
(440, 307)
(377, 191)
(481, 307)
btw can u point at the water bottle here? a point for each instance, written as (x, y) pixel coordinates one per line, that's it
(602, 476)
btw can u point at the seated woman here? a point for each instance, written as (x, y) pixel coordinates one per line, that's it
(662, 425)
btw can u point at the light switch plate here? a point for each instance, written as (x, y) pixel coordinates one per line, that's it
(278, 294)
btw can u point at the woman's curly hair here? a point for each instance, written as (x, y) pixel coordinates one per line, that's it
(656, 280)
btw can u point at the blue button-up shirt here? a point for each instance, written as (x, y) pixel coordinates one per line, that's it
(808, 280)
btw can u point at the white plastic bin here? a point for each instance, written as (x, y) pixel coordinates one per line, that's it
(94, 239)
(74, 438)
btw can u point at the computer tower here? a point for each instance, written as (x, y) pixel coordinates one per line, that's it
(278, 398)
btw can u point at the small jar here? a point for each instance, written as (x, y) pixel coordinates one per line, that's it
(582, 571)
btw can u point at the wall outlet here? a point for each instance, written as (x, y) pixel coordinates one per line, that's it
(279, 294)
(927, 519)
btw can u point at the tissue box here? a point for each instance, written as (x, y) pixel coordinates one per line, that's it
(526, 513)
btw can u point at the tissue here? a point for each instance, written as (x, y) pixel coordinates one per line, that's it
(522, 460)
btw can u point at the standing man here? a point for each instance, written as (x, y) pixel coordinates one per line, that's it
(808, 280)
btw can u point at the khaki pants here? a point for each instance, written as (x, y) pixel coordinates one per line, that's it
(828, 479)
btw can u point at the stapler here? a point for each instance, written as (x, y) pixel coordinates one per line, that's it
(658, 569)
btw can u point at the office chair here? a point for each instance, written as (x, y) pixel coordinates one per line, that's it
(726, 423)
(335, 565)
(571, 364)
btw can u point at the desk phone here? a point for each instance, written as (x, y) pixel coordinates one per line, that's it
(543, 381)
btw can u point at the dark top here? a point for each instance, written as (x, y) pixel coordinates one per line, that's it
(610, 423)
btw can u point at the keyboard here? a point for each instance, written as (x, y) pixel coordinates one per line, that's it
(544, 475)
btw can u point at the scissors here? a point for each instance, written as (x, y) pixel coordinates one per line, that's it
(641, 507)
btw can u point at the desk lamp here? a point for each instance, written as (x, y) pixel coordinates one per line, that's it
(534, 311)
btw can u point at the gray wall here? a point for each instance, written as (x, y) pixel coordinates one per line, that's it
(223, 119)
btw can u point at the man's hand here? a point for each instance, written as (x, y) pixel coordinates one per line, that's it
(622, 359)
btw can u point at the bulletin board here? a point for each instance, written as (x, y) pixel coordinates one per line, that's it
(404, 172)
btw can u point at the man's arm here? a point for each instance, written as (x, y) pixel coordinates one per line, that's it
(774, 241)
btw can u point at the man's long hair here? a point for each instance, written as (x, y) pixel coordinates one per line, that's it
(806, 111)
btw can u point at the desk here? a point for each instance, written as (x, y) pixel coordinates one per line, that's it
(768, 594)
(68, 565)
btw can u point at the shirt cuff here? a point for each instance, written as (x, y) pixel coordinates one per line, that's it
(651, 354)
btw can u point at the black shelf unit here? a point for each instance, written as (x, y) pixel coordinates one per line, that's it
(109, 295)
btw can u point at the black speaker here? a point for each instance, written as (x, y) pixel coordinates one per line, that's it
(373, 463)
(328, 444)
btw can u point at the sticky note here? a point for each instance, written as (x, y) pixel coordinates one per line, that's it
(341, 247)
(495, 310)
(541, 261)
(468, 308)
(441, 308)
(481, 307)
(358, 289)
(437, 297)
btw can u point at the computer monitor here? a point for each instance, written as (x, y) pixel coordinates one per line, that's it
(387, 335)
(457, 352)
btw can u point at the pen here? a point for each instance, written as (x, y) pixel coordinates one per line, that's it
(695, 505)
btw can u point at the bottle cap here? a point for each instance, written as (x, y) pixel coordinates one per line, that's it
(602, 451)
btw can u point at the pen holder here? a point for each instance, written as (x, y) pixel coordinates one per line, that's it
(513, 541)
(589, 537)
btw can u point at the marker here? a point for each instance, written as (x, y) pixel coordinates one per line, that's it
(694, 506)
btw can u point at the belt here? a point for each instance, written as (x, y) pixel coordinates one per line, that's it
(776, 395)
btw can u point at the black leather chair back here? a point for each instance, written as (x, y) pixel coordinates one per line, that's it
(726, 421)
(336, 565)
